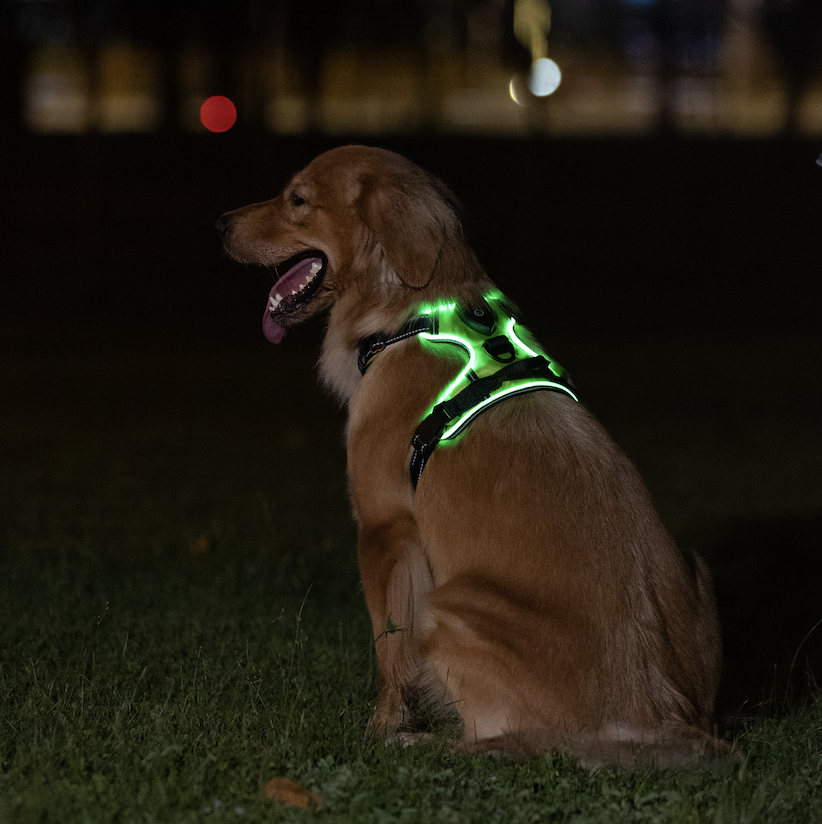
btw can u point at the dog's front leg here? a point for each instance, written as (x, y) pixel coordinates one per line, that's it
(395, 579)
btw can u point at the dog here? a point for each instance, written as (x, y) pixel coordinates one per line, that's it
(522, 582)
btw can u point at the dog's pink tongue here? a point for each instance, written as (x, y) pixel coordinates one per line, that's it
(294, 279)
(272, 330)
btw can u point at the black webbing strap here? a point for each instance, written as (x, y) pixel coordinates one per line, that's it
(374, 344)
(429, 432)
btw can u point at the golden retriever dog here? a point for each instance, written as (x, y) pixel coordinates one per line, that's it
(525, 583)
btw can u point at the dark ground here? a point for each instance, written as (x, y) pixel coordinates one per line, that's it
(677, 280)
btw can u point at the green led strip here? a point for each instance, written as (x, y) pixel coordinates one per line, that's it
(451, 389)
(453, 331)
(518, 388)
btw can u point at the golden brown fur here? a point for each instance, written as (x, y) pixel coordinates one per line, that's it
(534, 589)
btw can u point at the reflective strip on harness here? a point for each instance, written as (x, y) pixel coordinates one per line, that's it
(371, 346)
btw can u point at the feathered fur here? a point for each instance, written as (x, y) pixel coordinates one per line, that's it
(532, 587)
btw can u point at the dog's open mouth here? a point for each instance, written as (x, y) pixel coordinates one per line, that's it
(304, 273)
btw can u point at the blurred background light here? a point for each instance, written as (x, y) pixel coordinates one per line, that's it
(515, 91)
(218, 113)
(724, 67)
(544, 78)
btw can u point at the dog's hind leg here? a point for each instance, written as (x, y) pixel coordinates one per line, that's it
(396, 579)
(520, 696)
(478, 661)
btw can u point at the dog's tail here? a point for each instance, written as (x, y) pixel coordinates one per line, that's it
(620, 744)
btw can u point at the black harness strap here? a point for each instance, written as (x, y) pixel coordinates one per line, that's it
(374, 344)
(429, 432)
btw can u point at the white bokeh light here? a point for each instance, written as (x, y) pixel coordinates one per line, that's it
(544, 78)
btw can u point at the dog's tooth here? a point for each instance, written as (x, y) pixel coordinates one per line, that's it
(274, 303)
(315, 267)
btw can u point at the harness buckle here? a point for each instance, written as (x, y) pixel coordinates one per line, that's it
(500, 349)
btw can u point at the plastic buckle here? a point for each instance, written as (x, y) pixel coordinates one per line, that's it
(500, 349)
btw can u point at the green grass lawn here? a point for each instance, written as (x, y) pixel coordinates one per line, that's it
(181, 617)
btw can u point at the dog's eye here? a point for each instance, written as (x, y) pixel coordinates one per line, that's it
(297, 200)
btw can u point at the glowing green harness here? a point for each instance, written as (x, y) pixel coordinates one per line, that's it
(499, 365)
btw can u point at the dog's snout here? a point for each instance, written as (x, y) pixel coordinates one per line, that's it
(224, 225)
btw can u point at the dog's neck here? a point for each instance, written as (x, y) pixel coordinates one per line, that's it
(349, 322)
(346, 326)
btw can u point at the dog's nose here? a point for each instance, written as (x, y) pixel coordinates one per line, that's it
(224, 225)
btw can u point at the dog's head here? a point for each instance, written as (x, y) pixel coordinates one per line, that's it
(356, 220)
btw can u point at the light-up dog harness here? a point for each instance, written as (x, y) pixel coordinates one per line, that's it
(499, 365)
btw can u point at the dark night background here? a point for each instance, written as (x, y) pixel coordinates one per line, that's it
(676, 274)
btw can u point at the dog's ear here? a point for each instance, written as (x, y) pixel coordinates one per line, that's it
(411, 221)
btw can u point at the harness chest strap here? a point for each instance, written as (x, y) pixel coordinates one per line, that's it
(481, 384)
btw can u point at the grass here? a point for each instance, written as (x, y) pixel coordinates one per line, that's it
(181, 621)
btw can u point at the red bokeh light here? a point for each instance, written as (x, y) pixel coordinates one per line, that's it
(218, 114)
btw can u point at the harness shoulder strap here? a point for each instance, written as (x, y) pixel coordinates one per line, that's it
(449, 418)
